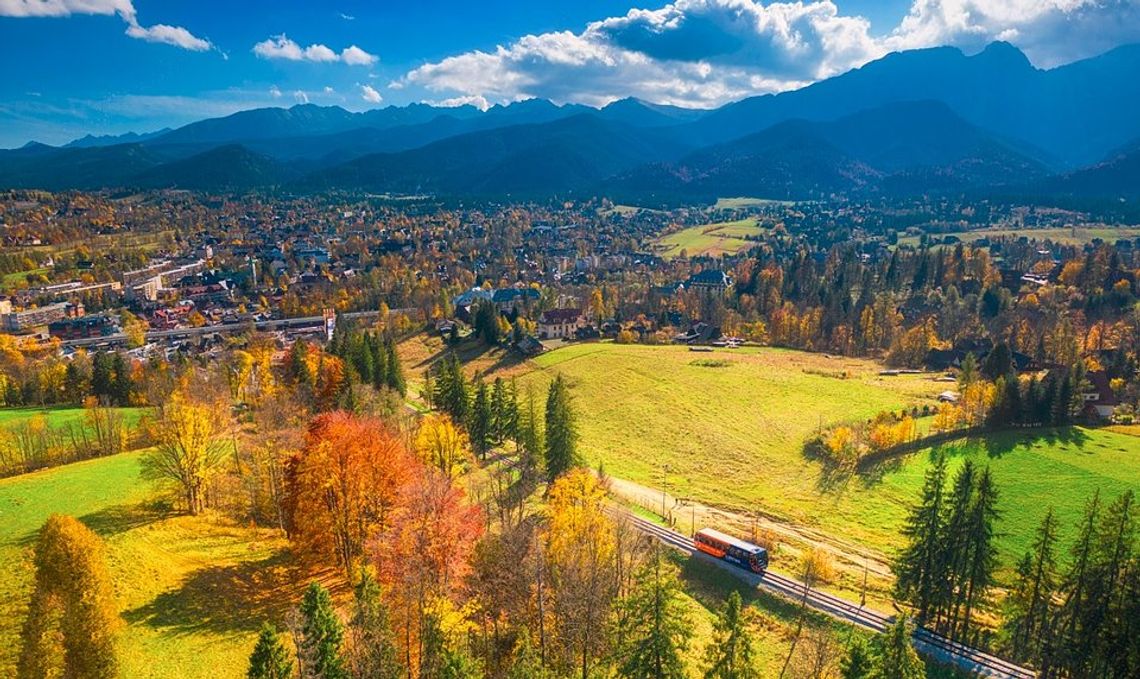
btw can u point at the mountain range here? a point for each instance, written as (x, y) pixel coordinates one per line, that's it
(915, 122)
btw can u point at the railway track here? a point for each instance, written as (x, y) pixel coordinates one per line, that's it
(927, 642)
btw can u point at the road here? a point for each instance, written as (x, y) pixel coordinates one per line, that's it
(928, 643)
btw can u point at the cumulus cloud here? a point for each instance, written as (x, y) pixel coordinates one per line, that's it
(275, 91)
(158, 33)
(300, 96)
(282, 47)
(368, 93)
(706, 52)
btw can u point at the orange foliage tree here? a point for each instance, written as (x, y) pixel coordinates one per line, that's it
(344, 486)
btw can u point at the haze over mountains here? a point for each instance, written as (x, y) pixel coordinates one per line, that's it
(913, 122)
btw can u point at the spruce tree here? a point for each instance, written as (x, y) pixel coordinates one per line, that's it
(1074, 644)
(498, 411)
(658, 627)
(955, 547)
(918, 567)
(858, 663)
(982, 551)
(561, 434)
(374, 654)
(731, 655)
(379, 362)
(481, 421)
(322, 636)
(395, 378)
(897, 657)
(269, 659)
(1028, 606)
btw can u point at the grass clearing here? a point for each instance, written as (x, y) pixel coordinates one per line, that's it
(732, 437)
(192, 590)
(62, 416)
(739, 203)
(1073, 236)
(711, 240)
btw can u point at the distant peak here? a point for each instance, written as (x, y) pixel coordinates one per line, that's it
(1004, 52)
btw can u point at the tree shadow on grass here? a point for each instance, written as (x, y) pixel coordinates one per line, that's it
(1005, 442)
(113, 520)
(222, 599)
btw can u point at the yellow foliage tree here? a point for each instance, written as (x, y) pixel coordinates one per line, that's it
(71, 627)
(443, 445)
(189, 449)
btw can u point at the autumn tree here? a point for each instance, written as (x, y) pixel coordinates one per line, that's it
(190, 447)
(582, 550)
(344, 486)
(443, 445)
(73, 621)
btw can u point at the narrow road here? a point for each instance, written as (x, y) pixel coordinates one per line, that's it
(928, 643)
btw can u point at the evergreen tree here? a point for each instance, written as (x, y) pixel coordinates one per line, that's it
(269, 659)
(561, 432)
(955, 545)
(858, 663)
(658, 627)
(498, 411)
(101, 378)
(1112, 556)
(374, 653)
(75, 384)
(395, 378)
(919, 567)
(982, 551)
(968, 372)
(999, 362)
(121, 385)
(1074, 644)
(379, 362)
(530, 434)
(731, 655)
(482, 420)
(1028, 606)
(321, 636)
(897, 657)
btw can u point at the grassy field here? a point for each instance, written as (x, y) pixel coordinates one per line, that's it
(18, 279)
(60, 417)
(737, 203)
(711, 239)
(1074, 236)
(732, 436)
(192, 590)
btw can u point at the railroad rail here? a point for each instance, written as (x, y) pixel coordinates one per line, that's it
(927, 642)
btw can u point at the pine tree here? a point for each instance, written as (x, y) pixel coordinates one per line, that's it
(482, 421)
(379, 362)
(121, 385)
(955, 546)
(395, 378)
(321, 636)
(918, 568)
(1074, 644)
(561, 434)
(982, 550)
(658, 633)
(1028, 606)
(374, 654)
(1111, 557)
(858, 663)
(101, 377)
(731, 655)
(530, 434)
(897, 657)
(269, 659)
(498, 411)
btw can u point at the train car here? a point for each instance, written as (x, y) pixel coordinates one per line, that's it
(738, 552)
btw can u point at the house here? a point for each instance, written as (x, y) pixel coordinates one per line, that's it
(529, 346)
(507, 300)
(1099, 397)
(558, 323)
(709, 280)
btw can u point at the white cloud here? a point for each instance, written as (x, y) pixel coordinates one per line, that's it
(707, 52)
(125, 9)
(347, 17)
(275, 91)
(477, 101)
(329, 90)
(354, 56)
(282, 47)
(300, 97)
(368, 93)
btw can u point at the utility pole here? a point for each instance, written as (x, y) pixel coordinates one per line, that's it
(664, 470)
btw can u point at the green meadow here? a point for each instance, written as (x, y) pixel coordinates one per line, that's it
(711, 239)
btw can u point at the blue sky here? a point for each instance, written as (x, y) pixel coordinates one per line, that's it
(110, 66)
